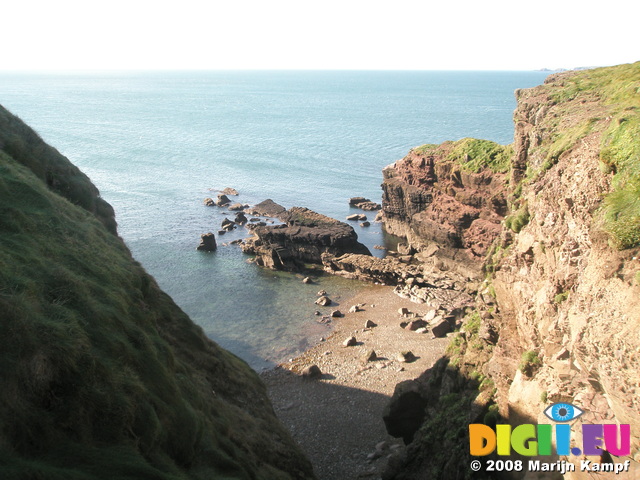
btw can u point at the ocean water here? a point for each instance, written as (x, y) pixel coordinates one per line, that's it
(157, 143)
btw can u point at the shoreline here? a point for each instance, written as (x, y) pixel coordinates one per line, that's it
(337, 418)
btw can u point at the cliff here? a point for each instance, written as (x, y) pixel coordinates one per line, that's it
(557, 316)
(449, 196)
(103, 376)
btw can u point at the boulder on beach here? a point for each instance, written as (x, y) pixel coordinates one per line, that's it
(350, 342)
(406, 357)
(207, 242)
(311, 372)
(209, 202)
(369, 356)
(236, 206)
(230, 191)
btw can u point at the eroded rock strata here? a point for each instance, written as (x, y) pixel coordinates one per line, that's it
(451, 195)
(557, 317)
(303, 239)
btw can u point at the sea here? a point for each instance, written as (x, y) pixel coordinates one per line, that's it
(157, 144)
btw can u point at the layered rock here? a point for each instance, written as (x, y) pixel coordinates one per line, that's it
(451, 195)
(302, 239)
(557, 320)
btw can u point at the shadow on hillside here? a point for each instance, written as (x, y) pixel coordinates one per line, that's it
(336, 426)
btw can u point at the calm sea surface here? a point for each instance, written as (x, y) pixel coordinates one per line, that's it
(157, 144)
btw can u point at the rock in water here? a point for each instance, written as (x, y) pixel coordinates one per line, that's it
(304, 239)
(207, 242)
(323, 301)
(222, 200)
(353, 201)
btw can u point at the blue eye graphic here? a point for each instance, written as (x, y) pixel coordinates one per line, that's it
(562, 412)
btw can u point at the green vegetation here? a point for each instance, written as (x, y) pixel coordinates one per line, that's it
(473, 323)
(475, 155)
(614, 93)
(103, 376)
(518, 220)
(427, 149)
(561, 297)
(544, 396)
(529, 363)
(472, 154)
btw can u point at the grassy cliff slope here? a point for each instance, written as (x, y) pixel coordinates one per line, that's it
(103, 376)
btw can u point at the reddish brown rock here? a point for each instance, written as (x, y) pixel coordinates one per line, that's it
(428, 198)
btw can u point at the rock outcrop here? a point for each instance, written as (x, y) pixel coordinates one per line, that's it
(556, 319)
(450, 195)
(103, 376)
(302, 239)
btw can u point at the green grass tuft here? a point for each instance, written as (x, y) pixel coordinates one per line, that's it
(475, 155)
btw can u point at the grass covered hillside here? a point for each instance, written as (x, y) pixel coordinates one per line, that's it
(102, 375)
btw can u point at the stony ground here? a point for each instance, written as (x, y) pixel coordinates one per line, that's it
(337, 419)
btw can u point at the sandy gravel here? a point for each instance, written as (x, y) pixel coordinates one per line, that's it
(337, 419)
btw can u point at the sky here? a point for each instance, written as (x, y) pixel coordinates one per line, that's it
(288, 34)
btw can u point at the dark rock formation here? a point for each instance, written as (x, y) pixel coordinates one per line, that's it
(304, 238)
(405, 412)
(353, 201)
(207, 242)
(267, 208)
(222, 200)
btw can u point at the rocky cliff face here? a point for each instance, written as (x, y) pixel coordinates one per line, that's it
(451, 196)
(557, 318)
(103, 376)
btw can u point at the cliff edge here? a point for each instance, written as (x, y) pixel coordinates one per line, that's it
(557, 315)
(103, 376)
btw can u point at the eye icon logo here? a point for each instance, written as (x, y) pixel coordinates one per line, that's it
(562, 412)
